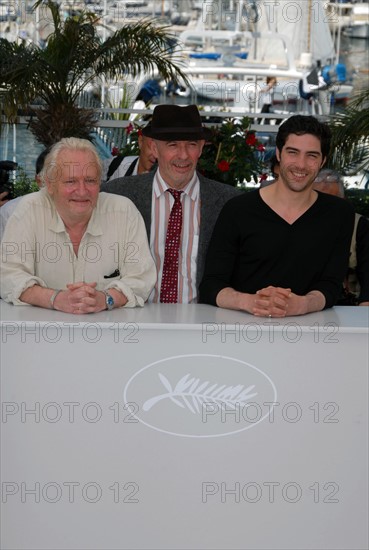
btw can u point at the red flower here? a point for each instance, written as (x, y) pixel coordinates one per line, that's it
(115, 151)
(261, 148)
(251, 139)
(263, 177)
(223, 166)
(129, 128)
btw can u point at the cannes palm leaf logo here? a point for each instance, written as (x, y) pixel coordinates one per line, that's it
(191, 393)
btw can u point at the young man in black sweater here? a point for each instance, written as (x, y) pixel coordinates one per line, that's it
(282, 250)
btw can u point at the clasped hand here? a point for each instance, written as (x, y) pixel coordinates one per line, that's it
(80, 298)
(272, 302)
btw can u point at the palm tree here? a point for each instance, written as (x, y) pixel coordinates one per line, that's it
(350, 136)
(74, 57)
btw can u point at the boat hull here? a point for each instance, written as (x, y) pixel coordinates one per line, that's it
(357, 31)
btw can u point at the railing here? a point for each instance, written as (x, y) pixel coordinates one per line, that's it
(112, 131)
(112, 123)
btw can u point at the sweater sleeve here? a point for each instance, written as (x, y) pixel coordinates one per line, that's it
(333, 273)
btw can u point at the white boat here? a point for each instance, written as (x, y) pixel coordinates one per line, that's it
(8, 12)
(358, 181)
(359, 25)
(232, 77)
(338, 14)
(230, 66)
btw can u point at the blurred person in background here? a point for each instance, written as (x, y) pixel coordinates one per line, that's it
(8, 208)
(356, 283)
(134, 165)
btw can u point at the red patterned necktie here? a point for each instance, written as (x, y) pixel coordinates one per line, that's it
(169, 281)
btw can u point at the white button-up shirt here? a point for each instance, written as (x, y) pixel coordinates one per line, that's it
(162, 203)
(114, 252)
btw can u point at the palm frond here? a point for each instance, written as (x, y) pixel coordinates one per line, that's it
(54, 9)
(350, 136)
(52, 124)
(144, 48)
(75, 55)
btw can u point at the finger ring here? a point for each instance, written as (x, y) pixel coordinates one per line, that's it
(269, 315)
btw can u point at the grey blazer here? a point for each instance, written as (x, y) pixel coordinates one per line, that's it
(213, 196)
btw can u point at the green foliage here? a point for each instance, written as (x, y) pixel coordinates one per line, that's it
(23, 184)
(233, 154)
(124, 103)
(130, 146)
(350, 136)
(52, 123)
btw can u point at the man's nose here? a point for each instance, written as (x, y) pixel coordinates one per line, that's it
(81, 186)
(183, 151)
(301, 161)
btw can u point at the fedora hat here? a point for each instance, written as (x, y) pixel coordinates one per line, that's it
(176, 123)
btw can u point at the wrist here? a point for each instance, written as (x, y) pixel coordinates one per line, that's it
(303, 305)
(120, 299)
(53, 298)
(314, 301)
(109, 301)
(247, 302)
(114, 298)
(232, 299)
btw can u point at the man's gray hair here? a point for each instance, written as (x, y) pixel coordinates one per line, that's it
(68, 144)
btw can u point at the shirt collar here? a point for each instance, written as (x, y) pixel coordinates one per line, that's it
(192, 189)
(57, 225)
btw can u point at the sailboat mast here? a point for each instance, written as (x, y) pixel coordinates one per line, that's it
(308, 43)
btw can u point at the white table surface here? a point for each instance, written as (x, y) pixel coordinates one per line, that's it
(188, 316)
(98, 451)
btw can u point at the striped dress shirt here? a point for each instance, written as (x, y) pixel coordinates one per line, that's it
(162, 203)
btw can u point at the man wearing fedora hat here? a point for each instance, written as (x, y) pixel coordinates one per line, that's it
(179, 205)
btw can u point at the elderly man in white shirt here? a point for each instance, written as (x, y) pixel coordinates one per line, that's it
(70, 247)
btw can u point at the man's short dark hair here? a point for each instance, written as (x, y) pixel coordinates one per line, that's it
(41, 159)
(300, 125)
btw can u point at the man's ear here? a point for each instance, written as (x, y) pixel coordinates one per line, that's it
(202, 143)
(154, 148)
(277, 154)
(323, 162)
(49, 186)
